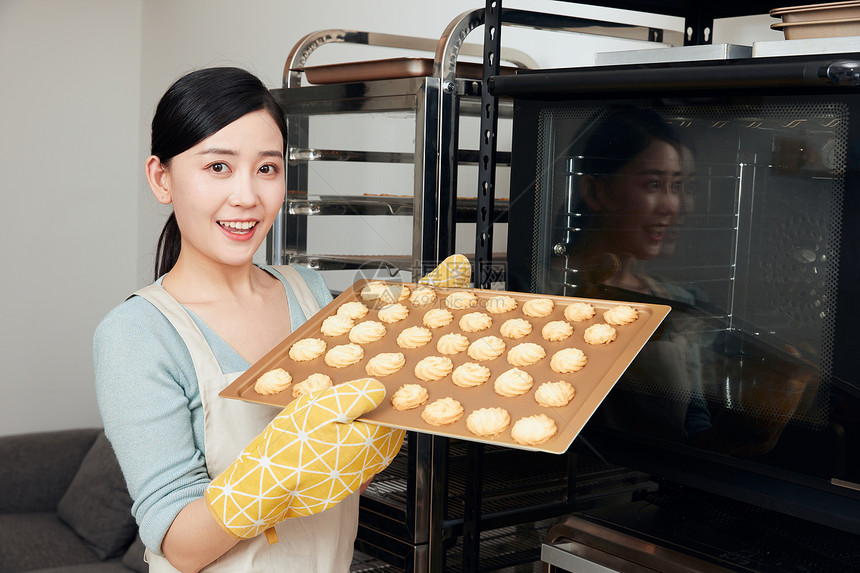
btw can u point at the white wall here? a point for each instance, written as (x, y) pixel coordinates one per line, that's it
(79, 80)
(69, 107)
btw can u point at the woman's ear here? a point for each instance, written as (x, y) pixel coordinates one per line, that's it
(594, 193)
(159, 180)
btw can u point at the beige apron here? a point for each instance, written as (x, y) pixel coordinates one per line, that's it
(319, 543)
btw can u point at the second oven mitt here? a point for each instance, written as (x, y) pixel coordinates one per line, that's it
(454, 271)
(310, 457)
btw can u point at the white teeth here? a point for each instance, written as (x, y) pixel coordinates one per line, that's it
(238, 225)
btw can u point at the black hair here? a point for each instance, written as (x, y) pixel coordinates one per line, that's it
(622, 134)
(196, 106)
(615, 136)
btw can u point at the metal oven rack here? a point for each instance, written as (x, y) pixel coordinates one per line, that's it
(434, 102)
(439, 495)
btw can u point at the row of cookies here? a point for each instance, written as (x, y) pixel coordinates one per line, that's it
(277, 380)
(343, 322)
(431, 368)
(509, 384)
(564, 361)
(392, 294)
(482, 422)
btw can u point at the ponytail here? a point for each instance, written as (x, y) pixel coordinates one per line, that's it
(167, 251)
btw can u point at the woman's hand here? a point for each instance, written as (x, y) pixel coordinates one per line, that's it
(365, 485)
(310, 457)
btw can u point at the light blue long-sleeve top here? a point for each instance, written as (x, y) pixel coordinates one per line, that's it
(150, 403)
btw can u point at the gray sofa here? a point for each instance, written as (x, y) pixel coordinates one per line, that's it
(64, 506)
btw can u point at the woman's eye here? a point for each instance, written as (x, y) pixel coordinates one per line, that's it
(218, 167)
(268, 169)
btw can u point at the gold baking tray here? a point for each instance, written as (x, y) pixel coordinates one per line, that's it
(387, 69)
(606, 364)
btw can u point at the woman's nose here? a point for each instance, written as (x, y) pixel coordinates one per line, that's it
(244, 192)
(670, 199)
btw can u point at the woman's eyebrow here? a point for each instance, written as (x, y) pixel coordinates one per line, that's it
(658, 172)
(216, 151)
(273, 153)
(223, 151)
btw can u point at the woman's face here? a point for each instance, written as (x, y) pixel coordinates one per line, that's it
(227, 189)
(641, 201)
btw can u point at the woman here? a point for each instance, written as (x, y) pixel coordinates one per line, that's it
(218, 141)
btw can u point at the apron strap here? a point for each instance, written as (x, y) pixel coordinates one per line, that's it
(303, 293)
(205, 363)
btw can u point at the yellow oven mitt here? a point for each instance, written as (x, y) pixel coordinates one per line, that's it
(313, 454)
(454, 271)
(310, 457)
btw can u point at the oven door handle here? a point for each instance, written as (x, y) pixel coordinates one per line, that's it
(726, 75)
(842, 72)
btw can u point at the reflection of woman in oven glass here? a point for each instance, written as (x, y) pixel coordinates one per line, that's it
(631, 186)
(633, 198)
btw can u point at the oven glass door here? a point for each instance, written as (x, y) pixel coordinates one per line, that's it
(737, 211)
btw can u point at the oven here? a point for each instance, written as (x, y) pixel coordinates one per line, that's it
(728, 190)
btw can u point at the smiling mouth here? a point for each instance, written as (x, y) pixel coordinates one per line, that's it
(657, 231)
(239, 227)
